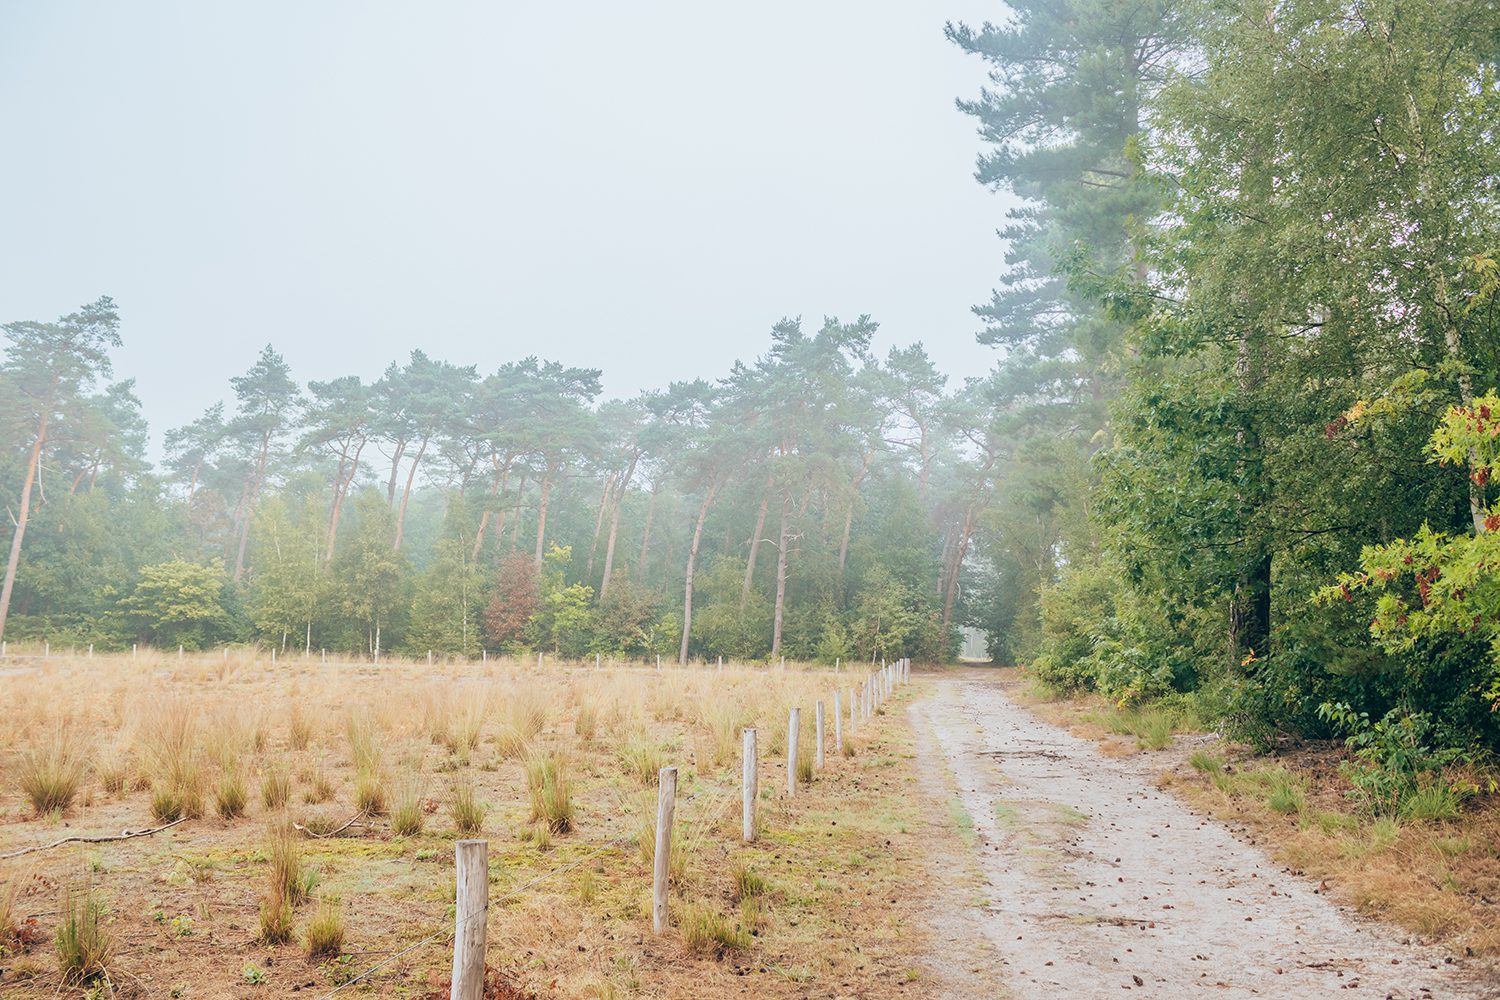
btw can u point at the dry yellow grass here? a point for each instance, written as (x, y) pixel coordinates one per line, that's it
(308, 743)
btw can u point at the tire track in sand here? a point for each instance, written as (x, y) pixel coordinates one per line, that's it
(1101, 885)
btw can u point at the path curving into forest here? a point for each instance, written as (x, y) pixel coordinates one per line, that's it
(1098, 884)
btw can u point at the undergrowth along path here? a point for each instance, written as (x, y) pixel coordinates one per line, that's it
(1100, 885)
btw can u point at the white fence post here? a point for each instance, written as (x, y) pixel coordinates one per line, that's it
(751, 784)
(666, 804)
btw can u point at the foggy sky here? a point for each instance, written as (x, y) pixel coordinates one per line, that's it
(639, 187)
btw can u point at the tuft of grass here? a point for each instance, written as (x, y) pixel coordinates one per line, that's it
(709, 932)
(805, 767)
(1286, 796)
(1435, 803)
(1154, 729)
(275, 787)
(230, 796)
(364, 746)
(166, 804)
(319, 784)
(551, 794)
(325, 931)
(52, 773)
(369, 794)
(1208, 763)
(465, 808)
(84, 945)
(299, 727)
(510, 742)
(749, 884)
(640, 758)
(290, 880)
(9, 893)
(406, 807)
(275, 918)
(175, 762)
(586, 724)
(113, 772)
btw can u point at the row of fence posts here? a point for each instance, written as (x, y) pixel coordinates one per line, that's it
(472, 856)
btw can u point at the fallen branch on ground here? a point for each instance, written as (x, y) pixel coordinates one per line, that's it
(331, 833)
(108, 838)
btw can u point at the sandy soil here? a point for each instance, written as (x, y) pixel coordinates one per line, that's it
(1098, 884)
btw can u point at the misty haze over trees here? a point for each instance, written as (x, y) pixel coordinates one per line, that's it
(1238, 441)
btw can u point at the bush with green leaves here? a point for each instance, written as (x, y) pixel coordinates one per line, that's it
(1397, 758)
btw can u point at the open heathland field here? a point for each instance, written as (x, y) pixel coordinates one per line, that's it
(307, 814)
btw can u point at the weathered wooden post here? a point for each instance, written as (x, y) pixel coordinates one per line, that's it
(666, 805)
(471, 906)
(91, 650)
(658, 661)
(838, 725)
(818, 756)
(836, 661)
(750, 782)
(429, 657)
(793, 723)
(539, 659)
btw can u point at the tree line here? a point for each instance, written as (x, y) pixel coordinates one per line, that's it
(1250, 307)
(811, 503)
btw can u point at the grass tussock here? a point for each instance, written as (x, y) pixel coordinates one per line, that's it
(325, 931)
(85, 948)
(551, 793)
(641, 758)
(175, 760)
(708, 932)
(229, 795)
(407, 816)
(52, 774)
(465, 809)
(586, 722)
(275, 787)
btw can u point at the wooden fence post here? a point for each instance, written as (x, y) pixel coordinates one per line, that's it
(793, 723)
(470, 918)
(838, 725)
(666, 805)
(751, 784)
(818, 756)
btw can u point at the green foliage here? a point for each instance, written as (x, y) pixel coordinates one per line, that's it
(1398, 759)
(179, 603)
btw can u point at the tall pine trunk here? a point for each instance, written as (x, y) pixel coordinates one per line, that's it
(760, 529)
(687, 587)
(23, 513)
(541, 519)
(411, 477)
(614, 528)
(646, 535)
(786, 507)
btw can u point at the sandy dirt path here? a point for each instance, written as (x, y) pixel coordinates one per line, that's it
(1099, 885)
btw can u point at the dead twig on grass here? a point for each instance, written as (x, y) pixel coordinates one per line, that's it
(108, 838)
(331, 833)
